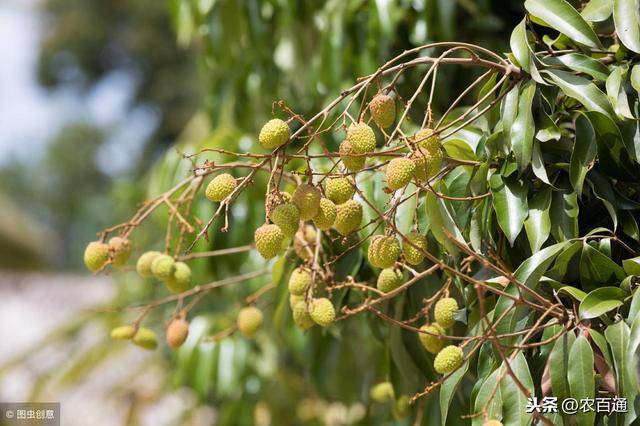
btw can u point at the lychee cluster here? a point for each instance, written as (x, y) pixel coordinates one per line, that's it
(175, 275)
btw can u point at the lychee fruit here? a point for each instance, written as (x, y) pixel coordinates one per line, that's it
(348, 217)
(412, 255)
(120, 250)
(307, 198)
(163, 267)
(249, 321)
(287, 217)
(361, 137)
(143, 266)
(299, 281)
(304, 242)
(399, 172)
(383, 251)
(322, 312)
(177, 332)
(431, 343)
(350, 161)
(274, 134)
(301, 316)
(326, 215)
(426, 139)
(96, 255)
(268, 239)
(444, 311)
(181, 279)
(145, 338)
(220, 187)
(448, 359)
(383, 110)
(123, 332)
(389, 279)
(382, 392)
(339, 189)
(427, 164)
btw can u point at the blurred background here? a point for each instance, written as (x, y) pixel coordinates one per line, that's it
(97, 100)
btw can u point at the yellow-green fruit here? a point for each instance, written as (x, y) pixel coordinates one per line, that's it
(177, 332)
(322, 312)
(383, 251)
(412, 255)
(294, 299)
(163, 267)
(124, 332)
(448, 359)
(426, 139)
(143, 266)
(401, 407)
(339, 189)
(145, 338)
(326, 215)
(399, 172)
(427, 164)
(351, 162)
(307, 199)
(301, 316)
(304, 242)
(383, 110)
(444, 311)
(299, 281)
(361, 137)
(348, 217)
(389, 279)
(493, 423)
(274, 133)
(120, 250)
(181, 279)
(96, 255)
(268, 239)
(287, 217)
(382, 392)
(220, 187)
(431, 343)
(249, 321)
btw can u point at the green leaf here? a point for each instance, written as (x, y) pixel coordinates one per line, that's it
(634, 309)
(538, 224)
(514, 402)
(601, 301)
(493, 408)
(627, 21)
(523, 128)
(564, 215)
(509, 203)
(582, 90)
(596, 269)
(581, 377)
(509, 112)
(580, 63)
(562, 17)
(632, 266)
(584, 152)
(622, 342)
(635, 77)
(448, 389)
(537, 163)
(531, 270)
(559, 365)
(576, 293)
(597, 10)
(520, 46)
(440, 219)
(616, 94)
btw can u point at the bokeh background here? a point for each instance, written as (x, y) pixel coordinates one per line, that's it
(98, 98)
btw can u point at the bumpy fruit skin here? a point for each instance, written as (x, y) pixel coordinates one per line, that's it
(304, 242)
(163, 267)
(120, 250)
(448, 359)
(326, 215)
(399, 172)
(351, 162)
(268, 239)
(427, 164)
(383, 110)
(294, 299)
(249, 321)
(431, 343)
(339, 189)
(348, 217)
(383, 251)
(287, 217)
(143, 266)
(96, 255)
(145, 338)
(389, 279)
(177, 332)
(361, 137)
(274, 133)
(322, 312)
(124, 332)
(382, 392)
(220, 187)
(181, 279)
(412, 255)
(307, 199)
(299, 281)
(493, 423)
(426, 139)
(444, 311)
(301, 316)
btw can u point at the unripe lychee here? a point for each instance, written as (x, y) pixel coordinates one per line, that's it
(382, 392)
(361, 137)
(294, 299)
(427, 164)
(274, 133)
(177, 332)
(304, 242)
(431, 343)
(389, 279)
(301, 316)
(351, 162)
(322, 312)
(268, 239)
(426, 139)
(383, 251)
(220, 187)
(120, 250)
(145, 338)
(249, 321)
(181, 279)
(143, 266)
(339, 189)
(287, 217)
(444, 311)
(401, 407)
(348, 217)
(163, 267)
(326, 215)
(399, 173)
(412, 255)
(307, 199)
(493, 423)
(299, 281)
(448, 359)
(383, 110)
(96, 255)
(124, 332)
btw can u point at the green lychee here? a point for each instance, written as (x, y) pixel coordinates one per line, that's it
(383, 110)
(96, 255)
(326, 215)
(348, 217)
(220, 187)
(268, 239)
(339, 189)
(250, 321)
(274, 134)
